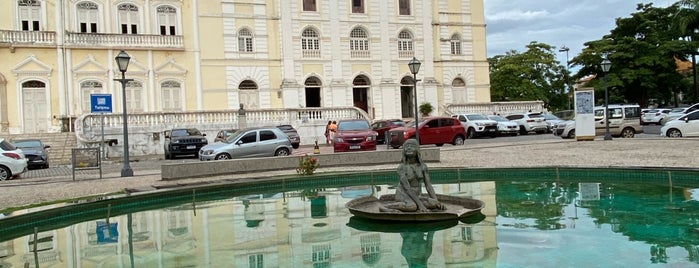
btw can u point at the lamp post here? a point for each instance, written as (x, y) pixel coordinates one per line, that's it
(606, 64)
(414, 66)
(566, 49)
(123, 63)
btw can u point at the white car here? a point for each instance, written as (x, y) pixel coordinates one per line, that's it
(679, 112)
(654, 116)
(12, 160)
(505, 127)
(478, 125)
(685, 126)
(529, 122)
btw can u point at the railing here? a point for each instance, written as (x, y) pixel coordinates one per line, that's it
(144, 127)
(502, 108)
(18, 38)
(174, 42)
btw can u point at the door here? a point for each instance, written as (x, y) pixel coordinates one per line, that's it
(429, 132)
(246, 146)
(312, 97)
(406, 102)
(692, 124)
(359, 96)
(34, 107)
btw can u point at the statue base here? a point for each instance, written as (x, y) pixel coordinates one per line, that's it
(456, 208)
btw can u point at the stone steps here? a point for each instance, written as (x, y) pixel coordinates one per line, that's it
(61, 145)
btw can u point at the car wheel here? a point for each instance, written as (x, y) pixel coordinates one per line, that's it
(281, 152)
(295, 146)
(522, 130)
(674, 133)
(459, 140)
(222, 156)
(439, 144)
(627, 133)
(471, 133)
(494, 135)
(571, 134)
(5, 173)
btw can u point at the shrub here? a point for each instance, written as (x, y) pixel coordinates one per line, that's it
(307, 165)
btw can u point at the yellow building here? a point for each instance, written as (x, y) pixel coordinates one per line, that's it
(214, 55)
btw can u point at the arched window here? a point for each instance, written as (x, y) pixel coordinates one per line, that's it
(167, 20)
(405, 45)
(87, 88)
(244, 40)
(171, 91)
(310, 43)
(455, 44)
(128, 18)
(29, 15)
(359, 43)
(88, 17)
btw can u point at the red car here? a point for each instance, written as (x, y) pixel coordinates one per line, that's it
(354, 135)
(433, 130)
(382, 126)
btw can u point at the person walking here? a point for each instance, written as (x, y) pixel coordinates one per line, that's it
(327, 132)
(332, 129)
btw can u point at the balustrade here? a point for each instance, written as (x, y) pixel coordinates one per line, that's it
(125, 40)
(18, 38)
(503, 108)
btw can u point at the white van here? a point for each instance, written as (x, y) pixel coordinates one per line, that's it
(624, 121)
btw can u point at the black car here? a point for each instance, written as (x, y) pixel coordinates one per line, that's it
(293, 135)
(35, 151)
(184, 141)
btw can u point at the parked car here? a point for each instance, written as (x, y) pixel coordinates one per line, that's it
(436, 130)
(183, 141)
(505, 127)
(224, 134)
(12, 160)
(293, 135)
(552, 121)
(624, 121)
(354, 135)
(477, 125)
(249, 142)
(565, 114)
(654, 116)
(529, 122)
(685, 126)
(679, 112)
(382, 126)
(35, 151)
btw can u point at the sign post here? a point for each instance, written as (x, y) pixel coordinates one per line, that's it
(101, 103)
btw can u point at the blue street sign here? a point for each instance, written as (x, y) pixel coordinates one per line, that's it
(101, 103)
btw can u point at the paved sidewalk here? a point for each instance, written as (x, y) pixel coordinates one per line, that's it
(56, 183)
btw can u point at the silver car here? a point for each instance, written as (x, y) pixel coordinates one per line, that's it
(249, 142)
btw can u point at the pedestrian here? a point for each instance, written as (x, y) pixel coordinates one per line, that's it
(332, 128)
(327, 132)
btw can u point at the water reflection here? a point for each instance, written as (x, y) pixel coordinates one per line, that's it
(548, 221)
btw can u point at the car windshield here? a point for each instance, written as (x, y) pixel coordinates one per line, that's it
(476, 117)
(353, 125)
(497, 118)
(398, 122)
(551, 117)
(536, 116)
(185, 132)
(6, 146)
(678, 110)
(27, 143)
(234, 136)
(286, 128)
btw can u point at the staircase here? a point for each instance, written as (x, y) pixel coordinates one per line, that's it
(61, 145)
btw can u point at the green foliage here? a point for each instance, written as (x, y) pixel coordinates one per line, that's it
(532, 75)
(307, 165)
(426, 108)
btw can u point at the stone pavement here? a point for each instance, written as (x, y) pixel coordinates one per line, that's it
(56, 183)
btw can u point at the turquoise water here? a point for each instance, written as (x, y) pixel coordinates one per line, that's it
(530, 220)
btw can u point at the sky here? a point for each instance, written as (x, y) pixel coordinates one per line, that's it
(513, 24)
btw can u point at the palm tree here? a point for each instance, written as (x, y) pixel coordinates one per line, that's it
(688, 24)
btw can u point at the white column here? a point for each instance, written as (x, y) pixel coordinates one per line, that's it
(197, 55)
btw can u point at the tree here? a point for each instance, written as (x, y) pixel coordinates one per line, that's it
(643, 50)
(687, 19)
(532, 75)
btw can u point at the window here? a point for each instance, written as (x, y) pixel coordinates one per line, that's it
(309, 5)
(359, 43)
(167, 19)
(267, 135)
(134, 96)
(249, 137)
(455, 44)
(87, 88)
(310, 44)
(404, 7)
(171, 95)
(405, 45)
(357, 6)
(128, 18)
(256, 261)
(88, 17)
(29, 14)
(244, 40)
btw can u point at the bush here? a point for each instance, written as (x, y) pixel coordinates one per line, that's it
(426, 108)
(307, 165)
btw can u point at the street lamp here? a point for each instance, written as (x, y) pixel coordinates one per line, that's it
(566, 49)
(606, 64)
(414, 66)
(123, 63)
